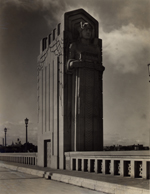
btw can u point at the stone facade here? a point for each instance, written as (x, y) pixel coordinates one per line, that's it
(70, 104)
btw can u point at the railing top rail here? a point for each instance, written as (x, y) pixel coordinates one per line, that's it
(31, 154)
(139, 153)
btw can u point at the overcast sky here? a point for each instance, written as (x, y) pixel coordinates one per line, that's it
(124, 27)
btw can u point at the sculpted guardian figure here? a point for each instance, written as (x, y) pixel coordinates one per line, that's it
(85, 64)
(86, 48)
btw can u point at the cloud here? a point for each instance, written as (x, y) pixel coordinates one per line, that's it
(8, 123)
(127, 49)
(111, 14)
(18, 123)
(144, 116)
(25, 4)
(137, 13)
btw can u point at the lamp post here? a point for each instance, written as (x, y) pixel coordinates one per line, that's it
(3, 141)
(26, 123)
(5, 130)
(149, 70)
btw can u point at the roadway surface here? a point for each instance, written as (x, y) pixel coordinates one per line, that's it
(13, 182)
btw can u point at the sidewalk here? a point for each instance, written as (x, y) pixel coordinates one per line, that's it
(105, 183)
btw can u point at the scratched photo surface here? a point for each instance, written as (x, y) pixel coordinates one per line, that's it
(98, 101)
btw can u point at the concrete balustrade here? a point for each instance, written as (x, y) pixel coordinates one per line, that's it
(134, 164)
(24, 158)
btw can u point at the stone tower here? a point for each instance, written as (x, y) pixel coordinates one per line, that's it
(70, 103)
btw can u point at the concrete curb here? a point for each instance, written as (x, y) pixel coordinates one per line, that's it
(105, 187)
(39, 173)
(76, 181)
(98, 185)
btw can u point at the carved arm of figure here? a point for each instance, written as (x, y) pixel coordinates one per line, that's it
(72, 56)
(75, 48)
(78, 58)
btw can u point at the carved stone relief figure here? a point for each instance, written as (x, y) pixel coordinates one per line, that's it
(85, 49)
(86, 67)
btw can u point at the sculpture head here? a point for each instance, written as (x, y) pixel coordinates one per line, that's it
(85, 30)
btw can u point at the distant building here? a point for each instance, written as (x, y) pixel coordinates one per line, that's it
(124, 148)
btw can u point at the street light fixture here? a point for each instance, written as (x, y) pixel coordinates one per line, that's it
(5, 130)
(26, 123)
(149, 70)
